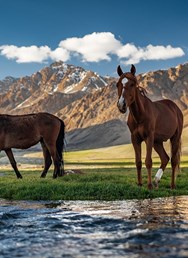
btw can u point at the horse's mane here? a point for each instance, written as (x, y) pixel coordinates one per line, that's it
(142, 90)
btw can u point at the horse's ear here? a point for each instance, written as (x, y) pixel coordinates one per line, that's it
(133, 69)
(119, 71)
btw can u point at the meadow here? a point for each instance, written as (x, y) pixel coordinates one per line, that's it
(105, 174)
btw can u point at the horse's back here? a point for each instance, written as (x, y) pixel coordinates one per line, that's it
(169, 118)
(48, 124)
(167, 107)
(23, 131)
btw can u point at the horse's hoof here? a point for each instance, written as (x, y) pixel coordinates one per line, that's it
(173, 187)
(54, 176)
(43, 175)
(139, 184)
(156, 184)
(19, 177)
(150, 186)
(156, 187)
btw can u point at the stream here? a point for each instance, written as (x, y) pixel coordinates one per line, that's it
(133, 228)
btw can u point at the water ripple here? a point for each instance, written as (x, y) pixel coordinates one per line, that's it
(157, 228)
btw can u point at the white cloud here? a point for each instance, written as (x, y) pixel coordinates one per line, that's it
(26, 54)
(60, 54)
(161, 52)
(126, 51)
(133, 55)
(93, 47)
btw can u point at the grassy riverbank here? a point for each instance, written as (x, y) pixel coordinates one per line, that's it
(92, 184)
(106, 175)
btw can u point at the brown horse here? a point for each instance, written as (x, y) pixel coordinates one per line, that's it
(151, 122)
(24, 131)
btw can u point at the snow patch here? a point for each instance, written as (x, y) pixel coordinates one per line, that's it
(22, 86)
(69, 88)
(61, 69)
(84, 88)
(22, 104)
(97, 86)
(105, 83)
(61, 73)
(77, 75)
(55, 88)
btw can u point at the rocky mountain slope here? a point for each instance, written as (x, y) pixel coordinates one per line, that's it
(87, 101)
(171, 83)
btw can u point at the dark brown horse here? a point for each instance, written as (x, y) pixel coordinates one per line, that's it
(24, 131)
(151, 122)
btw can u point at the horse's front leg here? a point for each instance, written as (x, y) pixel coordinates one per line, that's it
(138, 159)
(148, 161)
(13, 162)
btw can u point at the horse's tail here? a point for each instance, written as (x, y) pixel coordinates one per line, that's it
(176, 153)
(176, 142)
(60, 144)
(179, 153)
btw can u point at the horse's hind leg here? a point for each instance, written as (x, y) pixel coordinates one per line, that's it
(56, 159)
(13, 162)
(175, 157)
(60, 157)
(60, 147)
(47, 159)
(164, 161)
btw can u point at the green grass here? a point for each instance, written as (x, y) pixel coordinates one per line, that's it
(108, 174)
(93, 184)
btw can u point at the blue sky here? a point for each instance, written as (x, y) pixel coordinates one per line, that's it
(97, 35)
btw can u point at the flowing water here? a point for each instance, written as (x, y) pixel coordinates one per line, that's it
(146, 228)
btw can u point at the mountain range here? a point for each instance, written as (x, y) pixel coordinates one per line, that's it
(87, 101)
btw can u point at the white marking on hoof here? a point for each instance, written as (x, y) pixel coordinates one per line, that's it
(158, 175)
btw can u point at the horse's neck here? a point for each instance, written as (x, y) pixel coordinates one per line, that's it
(137, 108)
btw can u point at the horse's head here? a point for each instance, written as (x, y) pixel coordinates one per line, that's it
(126, 89)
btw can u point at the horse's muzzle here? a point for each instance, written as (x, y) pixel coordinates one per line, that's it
(122, 108)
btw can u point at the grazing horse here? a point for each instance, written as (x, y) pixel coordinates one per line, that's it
(24, 131)
(151, 122)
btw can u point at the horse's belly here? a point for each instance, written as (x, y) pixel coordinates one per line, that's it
(25, 145)
(164, 135)
(161, 138)
(19, 142)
